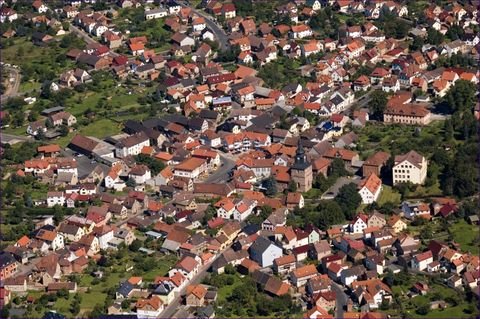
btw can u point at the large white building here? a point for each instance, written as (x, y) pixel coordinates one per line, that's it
(410, 167)
(131, 145)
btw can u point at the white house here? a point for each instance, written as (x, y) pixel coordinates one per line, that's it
(359, 224)
(410, 167)
(149, 308)
(264, 252)
(39, 6)
(140, 174)
(370, 188)
(131, 145)
(421, 261)
(155, 14)
(104, 235)
(301, 31)
(55, 198)
(192, 168)
(243, 209)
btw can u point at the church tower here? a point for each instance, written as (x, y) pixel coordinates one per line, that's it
(301, 170)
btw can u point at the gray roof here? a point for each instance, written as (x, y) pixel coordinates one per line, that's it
(260, 245)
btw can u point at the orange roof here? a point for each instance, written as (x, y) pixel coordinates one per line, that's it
(164, 156)
(22, 242)
(372, 183)
(287, 259)
(136, 46)
(135, 280)
(308, 270)
(190, 164)
(199, 291)
(225, 203)
(51, 148)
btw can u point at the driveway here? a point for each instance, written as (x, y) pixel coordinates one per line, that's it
(333, 190)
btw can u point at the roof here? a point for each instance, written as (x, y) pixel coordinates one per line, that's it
(190, 164)
(284, 260)
(305, 271)
(412, 157)
(372, 183)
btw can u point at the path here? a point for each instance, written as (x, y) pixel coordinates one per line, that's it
(12, 89)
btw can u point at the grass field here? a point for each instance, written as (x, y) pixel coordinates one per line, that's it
(388, 195)
(465, 234)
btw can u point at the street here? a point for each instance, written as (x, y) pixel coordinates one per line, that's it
(341, 301)
(87, 38)
(175, 309)
(221, 175)
(217, 31)
(14, 139)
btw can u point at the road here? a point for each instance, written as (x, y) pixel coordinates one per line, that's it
(221, 175)
(175, 309)
(87, 38)
(13, 139)
(341, 301)
(12, 89)
(220, 35)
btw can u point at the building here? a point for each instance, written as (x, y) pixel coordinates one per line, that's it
(264, 252)
(8, 265)
(370, 188)
(301, 171)
(415, 114)
(409, 167)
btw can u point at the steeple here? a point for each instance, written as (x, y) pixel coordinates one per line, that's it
(301, 162)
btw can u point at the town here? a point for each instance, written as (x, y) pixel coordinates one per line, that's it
(247, 158)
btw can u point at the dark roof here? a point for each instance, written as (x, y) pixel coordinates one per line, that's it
(208, 114)
(6, 259)
(132, 127)
(125, 288)
(260, 245)
(53, 315)
(195, 123)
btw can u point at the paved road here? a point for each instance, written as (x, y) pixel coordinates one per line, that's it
(175, 309)
(12, 89)
(13, 139)
(221, 175)
(87, 38)
(220, 35)
(341, 301)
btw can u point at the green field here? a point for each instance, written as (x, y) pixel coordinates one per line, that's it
(388, 195)
(466, 235)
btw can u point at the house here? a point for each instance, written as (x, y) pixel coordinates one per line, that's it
(7, 14)
(375, 163)
(229, 11)
(264, 252)
(53, 239)
(409, 167)
(358, 224)
(182, 39)
(284, 264)
(149, 308)
(422, 260)
(397, 224)
(155, 13)
(131, 145)
(140, 174)
(300, 276)
(35, 127)
(191, 168)
(300, 31)
(370, 188)
(39, 6)
(195, 296)
(62, 118)
(55, 198)
(350, 275)
(8, 265)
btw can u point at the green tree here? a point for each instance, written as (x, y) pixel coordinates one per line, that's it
(270, 185)
(378, 104)
(328, 213)
(135, 245)
(292, 186)
(348, 199)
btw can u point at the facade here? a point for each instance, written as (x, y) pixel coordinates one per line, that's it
(301, 171)
(410, 167)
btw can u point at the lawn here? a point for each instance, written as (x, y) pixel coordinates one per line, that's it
(388, 195)
(226, 291)
(465, 234)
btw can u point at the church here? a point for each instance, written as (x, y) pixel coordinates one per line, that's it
(301, 171)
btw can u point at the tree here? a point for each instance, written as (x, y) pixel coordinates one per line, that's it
(328, 213)
(135, 245)
(337, 169)
(63, 130)
(153, 164)
(378, 104)
(125, 304)
(270, 185)
(348, 199)
(434, 37)
(292, 186)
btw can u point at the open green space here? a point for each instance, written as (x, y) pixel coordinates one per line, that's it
(388, 195)
(466, 235)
